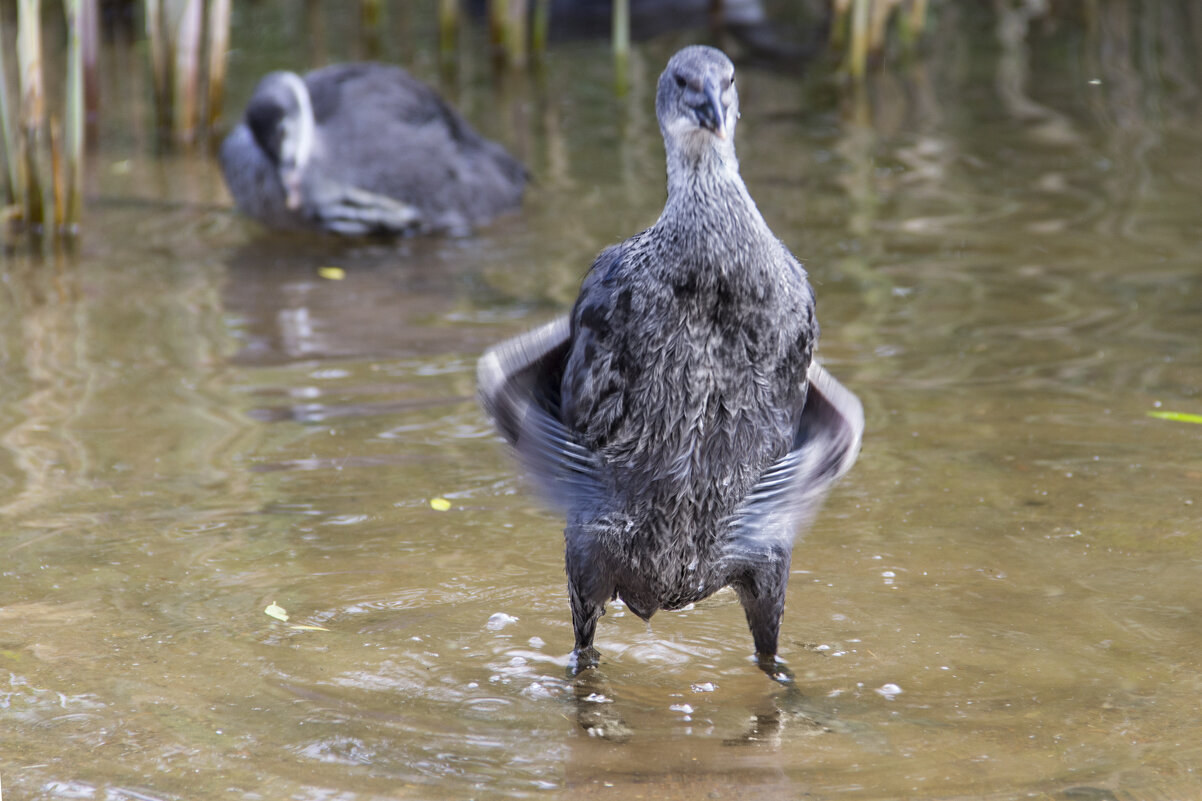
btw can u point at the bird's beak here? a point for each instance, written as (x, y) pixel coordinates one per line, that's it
(291, 179)
(712, 114)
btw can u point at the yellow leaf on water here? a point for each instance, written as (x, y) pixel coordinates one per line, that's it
(440, 504)
(275, 610)
(309, 628)
(1177, 417)
(332, 273)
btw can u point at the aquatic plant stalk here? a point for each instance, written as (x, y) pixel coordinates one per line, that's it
(8, 141)
(160, 65)
(914, 23)
(541, 28)
(881, 9)
(370, 14)
(621, 44)
(89, 33)
(515, 33)
(187, 69)
(448, 27)
(219, 40)
(857, 53)
(58, 181)
(496, 26)
(840, 10)
(32, 111)
(71, 201)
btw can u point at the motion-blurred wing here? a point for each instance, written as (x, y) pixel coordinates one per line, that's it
(518, 382)
(790, 492)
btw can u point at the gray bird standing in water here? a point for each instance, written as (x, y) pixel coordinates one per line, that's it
(364, 149)
(678, 416)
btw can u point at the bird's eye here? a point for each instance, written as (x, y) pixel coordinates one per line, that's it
(680, 81)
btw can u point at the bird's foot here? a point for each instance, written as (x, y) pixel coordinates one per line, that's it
(774, 668)
(352, 211)
(582, 659)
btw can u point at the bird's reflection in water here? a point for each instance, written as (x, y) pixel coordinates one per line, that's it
(596, 711)
(785, 712)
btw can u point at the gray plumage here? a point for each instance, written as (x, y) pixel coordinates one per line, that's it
(364, 148)
(677, 416)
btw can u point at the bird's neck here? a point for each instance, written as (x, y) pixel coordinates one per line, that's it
(707, 198)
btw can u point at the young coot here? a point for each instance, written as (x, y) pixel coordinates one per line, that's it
(677, 414)
(364, 148)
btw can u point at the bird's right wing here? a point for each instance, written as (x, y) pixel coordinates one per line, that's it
(518, 383)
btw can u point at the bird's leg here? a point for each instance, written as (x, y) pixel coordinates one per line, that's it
(584, 622)
(589, 587)
(762, 592)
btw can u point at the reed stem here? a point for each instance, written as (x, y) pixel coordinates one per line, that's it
(915, 22)
(448, 29)
(71, 201)
(8, 140)
(188, 32)
(219, 40)
(515, 33)
(496, 27)
(857, 53)
(32, 112)
(541, 31)
(89, 33)
(621, 45)
(160, 67)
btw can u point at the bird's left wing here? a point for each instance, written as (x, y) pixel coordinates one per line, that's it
(790, 492)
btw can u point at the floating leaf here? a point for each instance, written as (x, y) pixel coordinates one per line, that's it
(308, 628)
(332, 273)
(276, 611)
(440, 504)
(1177, 417)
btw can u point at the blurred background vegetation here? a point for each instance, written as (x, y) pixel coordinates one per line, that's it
(1139, 52)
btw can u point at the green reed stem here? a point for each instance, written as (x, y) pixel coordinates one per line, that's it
(219, 40)
(448, 28)
(32, 112)
(515, 33)
(8, 140)
(542, 28)
(72, 201)
(621, 45)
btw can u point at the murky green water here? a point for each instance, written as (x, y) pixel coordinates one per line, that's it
(1000, 601)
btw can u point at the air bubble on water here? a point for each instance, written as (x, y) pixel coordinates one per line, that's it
(889, 691)
(499, 620)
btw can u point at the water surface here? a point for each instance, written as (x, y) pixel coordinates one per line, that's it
(1000, 601)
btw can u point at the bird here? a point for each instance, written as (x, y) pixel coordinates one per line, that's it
(364, 148)
(677, 414)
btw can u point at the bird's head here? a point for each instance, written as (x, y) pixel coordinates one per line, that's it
(696, 101)
(280, 116)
